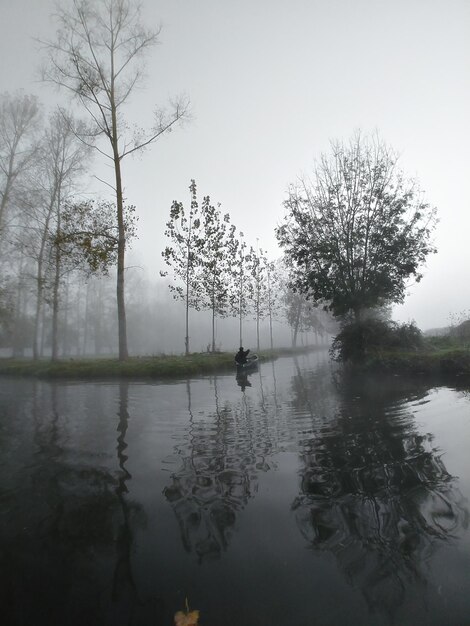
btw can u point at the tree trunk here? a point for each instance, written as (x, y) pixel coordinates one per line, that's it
(98, 338)
(213, 326)
(37, 312)
(186, 338)
(270, 311)
(271, 330)
(86, 320)
(43, 332)
(65, 344)
(55, 300)
(121, 305)
(18, 347)
(296, 325)
(55, 318)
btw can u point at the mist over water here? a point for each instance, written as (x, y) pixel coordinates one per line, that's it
(296, 496)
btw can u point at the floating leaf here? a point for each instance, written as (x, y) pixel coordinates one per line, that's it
(186, 619)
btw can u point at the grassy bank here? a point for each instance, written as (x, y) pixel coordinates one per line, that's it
(449, 361)
(134, 367)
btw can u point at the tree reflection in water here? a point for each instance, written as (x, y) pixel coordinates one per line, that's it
(374, 491)
(220, 462)
(124, 588)
(78, 524)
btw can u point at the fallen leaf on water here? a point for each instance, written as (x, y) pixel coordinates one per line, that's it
(186, 619)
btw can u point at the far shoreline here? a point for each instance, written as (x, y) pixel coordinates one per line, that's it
(137, 367)
(429, 363)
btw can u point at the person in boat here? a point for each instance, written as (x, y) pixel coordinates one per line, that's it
(240, 357)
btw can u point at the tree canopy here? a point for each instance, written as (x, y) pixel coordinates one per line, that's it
(357, 229)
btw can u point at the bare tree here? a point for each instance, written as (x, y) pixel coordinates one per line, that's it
(32, 237)
(97, 57)
(19, 119)
(64, 162)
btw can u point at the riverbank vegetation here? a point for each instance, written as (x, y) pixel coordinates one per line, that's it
(385, 346)
(452, 361)
(154, 367)
(353, 236)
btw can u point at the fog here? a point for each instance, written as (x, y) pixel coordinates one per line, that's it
(156, 322)
(270, 84)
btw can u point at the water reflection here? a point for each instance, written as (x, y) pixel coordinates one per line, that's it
(76, 523)
(373, 491)
(124, 593)
(242, 380)
(219, 465)
(346, 468)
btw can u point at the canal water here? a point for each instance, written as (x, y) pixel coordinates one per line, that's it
(296, 496)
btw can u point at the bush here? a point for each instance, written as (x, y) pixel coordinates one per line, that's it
(357, 340)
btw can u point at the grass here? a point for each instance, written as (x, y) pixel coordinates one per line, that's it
(134, 367)
(447, 360)
(162, 366)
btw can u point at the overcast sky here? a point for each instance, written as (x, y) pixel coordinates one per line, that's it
(270, 83)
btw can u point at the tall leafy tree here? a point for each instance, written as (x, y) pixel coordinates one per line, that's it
(273, 293)
(263, 291)
(241, 284)
(186, 232)
(358, 229)
(97, 57)
(217, 259)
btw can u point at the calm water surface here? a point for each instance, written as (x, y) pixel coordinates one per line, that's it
(297, 496)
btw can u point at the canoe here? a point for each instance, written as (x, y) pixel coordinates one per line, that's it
(251, 363)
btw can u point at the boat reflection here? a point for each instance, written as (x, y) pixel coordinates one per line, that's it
(242, 380)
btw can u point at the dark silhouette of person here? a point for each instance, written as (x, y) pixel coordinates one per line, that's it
(240, 357)
(242, 381)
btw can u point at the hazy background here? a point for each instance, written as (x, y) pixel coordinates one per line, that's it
(271, 82)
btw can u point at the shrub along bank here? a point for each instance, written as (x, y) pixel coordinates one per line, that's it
(378, 345)
(448, 362)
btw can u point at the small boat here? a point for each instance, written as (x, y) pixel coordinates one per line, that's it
(251, 364)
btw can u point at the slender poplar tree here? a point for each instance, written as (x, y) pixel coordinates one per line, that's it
(185, 230)
(97, 57)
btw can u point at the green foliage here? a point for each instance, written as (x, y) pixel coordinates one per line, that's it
(360, 339)
(88, 235)
(185, 231)
(358, 230)
(217, 258)
(200, 255)
(461, 332)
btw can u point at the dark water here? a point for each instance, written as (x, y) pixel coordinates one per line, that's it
(306, 498)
